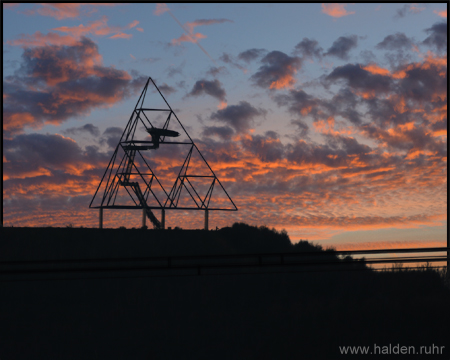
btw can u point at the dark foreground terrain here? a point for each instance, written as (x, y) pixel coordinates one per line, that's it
(286, 315)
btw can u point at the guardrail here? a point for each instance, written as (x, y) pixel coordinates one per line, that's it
(212, 264)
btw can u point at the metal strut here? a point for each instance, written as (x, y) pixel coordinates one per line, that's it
(137, 190)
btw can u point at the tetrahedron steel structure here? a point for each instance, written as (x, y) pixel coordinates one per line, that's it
(152, 139)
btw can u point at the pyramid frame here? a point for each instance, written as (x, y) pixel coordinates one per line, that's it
(132, 148)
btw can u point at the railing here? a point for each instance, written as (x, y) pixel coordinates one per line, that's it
(213, 264)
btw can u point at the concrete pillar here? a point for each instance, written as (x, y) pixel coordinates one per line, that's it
(163, 219)
(100, 219)
(144, 216)
(206, 219)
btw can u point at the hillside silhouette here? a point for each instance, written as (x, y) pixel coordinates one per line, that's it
(304, 315)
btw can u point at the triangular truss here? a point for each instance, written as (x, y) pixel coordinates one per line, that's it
(129, 181)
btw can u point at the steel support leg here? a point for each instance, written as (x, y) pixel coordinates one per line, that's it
(163, 219)
(206, 219)
(144, 216)
(100, 218)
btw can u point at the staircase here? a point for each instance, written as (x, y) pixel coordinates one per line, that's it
(137, 190)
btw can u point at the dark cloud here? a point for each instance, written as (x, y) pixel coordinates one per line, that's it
(438, 36)
(224, 132)
(360, 79)
(216, 71)
(277, 71)
(229, 59)
(111, 136)
(251, 54)
(303, 152)
(38, 153)
(166, 89)
(345, 104)
(55, 83)
(424, 83)
(408, 9)
(308, 48)
(212, 88)
(268, 147)
(302, 127)
(396, 41)
(174, 70)
(348, 144)
(368, 56)
(88, 128)
(239, 117)
(342, 46)
(298, 102)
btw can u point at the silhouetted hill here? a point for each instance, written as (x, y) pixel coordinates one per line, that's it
(70, 243)
(304, 315)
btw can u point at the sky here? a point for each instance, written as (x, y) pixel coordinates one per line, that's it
(326, 120)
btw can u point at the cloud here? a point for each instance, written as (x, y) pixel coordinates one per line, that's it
(229, 59)
(302, 127)
(62, 11)
(298, 102)
(267, 147)
(441, 13)
(98, 27)
(438, 36)
(251, 54)
(161, 8)
(308, 49)
(212, 88)
(192, 37)
(9, 5)
(408, 9)
(121, 36)
(111, 136)
(216, 71)
(87, 128)
(31, 155)
(336, 10)
(395, 42)
(172, 70)
(166, 89)
(341, 47)
(55, 83)
(361, 79)
(39, 39)
(240, 117)
(224, 132)
(140, 29)
(277, 71)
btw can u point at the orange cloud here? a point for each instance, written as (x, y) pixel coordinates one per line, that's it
(336, 10)
(441, 13)
(376, 70)
(286, 81)
(121, 36)
(223, 105)
(9, 5)
(374, 245)
(16, 122)
(140, 29)
(193, 38)
(161, 8)
(39, 39)
(98, 27)
(65, 10)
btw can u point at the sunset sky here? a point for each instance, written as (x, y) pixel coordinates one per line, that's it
(327, 120)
